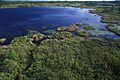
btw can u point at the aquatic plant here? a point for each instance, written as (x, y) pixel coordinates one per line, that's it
(114, 29)
(100, 33)
(109, 14)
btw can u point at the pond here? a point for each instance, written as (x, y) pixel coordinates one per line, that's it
(17, 21)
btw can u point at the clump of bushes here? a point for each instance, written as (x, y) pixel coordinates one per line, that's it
(78, 24)
(89, 28)
(63, 35)
(113, 28)
(71, 28)
(2, 40)
(62, 29)
(38, 37)
(31, 32)
(82, 33)
(50, 32)
(58, 35)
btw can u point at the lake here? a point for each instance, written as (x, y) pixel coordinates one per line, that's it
(17, 21)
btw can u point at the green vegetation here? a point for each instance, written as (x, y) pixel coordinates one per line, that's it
(61, 55)
(58, 35)
(114, 28)
(71, 58)
(38, 36)
(2, 40)
(62, 28)
(63, 35)
(82, 33)
(109, 14)
(71, 28)
(89, 28)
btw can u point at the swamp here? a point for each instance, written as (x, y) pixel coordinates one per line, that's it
(60, 40)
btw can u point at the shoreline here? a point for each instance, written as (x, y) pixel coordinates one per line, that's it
(93, 11)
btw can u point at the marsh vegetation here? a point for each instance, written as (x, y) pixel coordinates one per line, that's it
(66, 53)
(60, 57)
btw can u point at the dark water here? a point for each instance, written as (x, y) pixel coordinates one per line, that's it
(17, 21)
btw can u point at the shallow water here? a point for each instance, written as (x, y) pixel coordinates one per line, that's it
(17, 21)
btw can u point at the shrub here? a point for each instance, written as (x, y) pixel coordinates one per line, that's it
(82, 33)
(2, 40)
(63, 35)
(38, 37)
(62, 29)
(89, 28)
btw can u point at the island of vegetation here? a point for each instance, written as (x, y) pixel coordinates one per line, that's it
(67, 53)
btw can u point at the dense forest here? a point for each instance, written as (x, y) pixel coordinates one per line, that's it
(61, 55)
